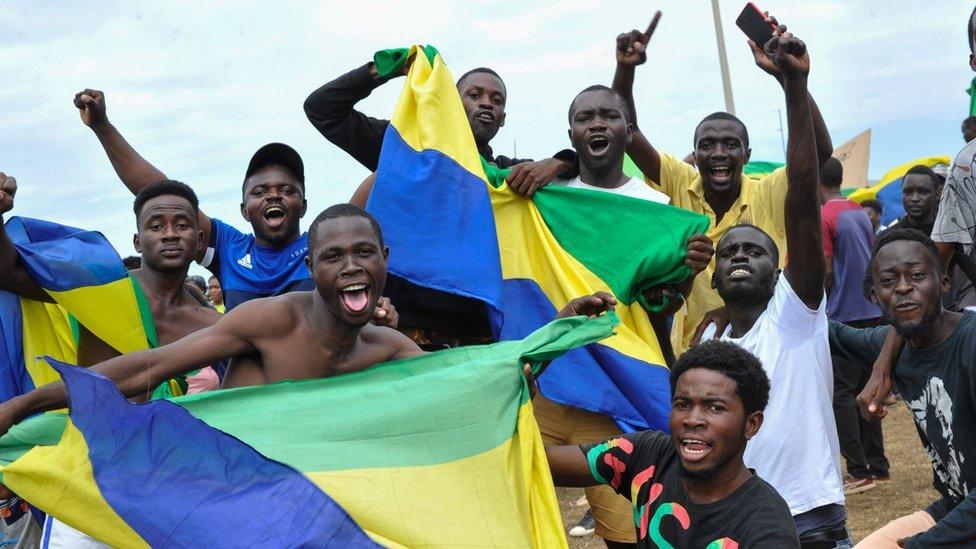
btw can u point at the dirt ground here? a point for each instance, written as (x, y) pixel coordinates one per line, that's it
(909, 489)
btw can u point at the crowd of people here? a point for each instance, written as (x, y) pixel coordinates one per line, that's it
(801, 314)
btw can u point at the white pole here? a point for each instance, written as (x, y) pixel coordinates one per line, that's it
(723, 61)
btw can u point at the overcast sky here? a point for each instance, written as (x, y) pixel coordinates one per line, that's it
(196, 87)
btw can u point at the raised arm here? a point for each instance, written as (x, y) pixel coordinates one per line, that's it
(825, 147)
(135, 171)
(134, 373)
(330, 110)
(806, 268)
(13, 277)
(631, 51)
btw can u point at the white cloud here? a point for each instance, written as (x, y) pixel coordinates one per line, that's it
(197, 87)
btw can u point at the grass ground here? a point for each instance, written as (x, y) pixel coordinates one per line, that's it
(909, 490)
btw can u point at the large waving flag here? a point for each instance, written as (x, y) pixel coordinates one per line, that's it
(888, 189)
(454, 225)
(83, 273)
(440, 450)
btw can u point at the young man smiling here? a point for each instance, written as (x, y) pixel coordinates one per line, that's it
(267, 262)
(167, 238)
(692, 489)
(781, 318)
(715, 185)
(934, 375)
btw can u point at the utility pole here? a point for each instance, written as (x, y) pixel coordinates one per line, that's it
(722, 59)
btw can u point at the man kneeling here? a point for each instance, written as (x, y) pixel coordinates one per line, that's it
(696, 475)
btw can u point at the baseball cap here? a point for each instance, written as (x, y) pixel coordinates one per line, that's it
(277, 153)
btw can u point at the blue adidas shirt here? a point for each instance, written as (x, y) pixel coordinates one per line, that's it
(248, 271)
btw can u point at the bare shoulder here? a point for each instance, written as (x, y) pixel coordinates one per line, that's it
(270, 313)
(398, 345)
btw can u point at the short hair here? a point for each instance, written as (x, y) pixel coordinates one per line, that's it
(337, 211)
(970, 121)
(733, 362)
(213, 277)
(909, 235)
(721, 115)
(773, 248)
(926, 171)
(832, 173)
(624, 107)
(132, 262)
(197, 281)
(972, 32)
(166, 187)
(873, 204)
(484, 70)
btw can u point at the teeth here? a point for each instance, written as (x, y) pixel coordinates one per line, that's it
(354, 288)
(739, 273)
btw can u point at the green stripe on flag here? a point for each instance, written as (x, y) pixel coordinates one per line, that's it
(427, 410)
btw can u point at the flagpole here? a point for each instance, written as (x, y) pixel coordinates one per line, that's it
(723, 61)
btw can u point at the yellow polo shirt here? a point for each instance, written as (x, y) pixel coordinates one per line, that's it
(761, 202)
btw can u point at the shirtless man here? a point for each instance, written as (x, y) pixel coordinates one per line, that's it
(299, 335)
(167, 237)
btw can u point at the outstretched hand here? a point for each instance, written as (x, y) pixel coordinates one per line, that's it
(385, 313)
(91, 104)
(789, 53)
(590, 305)
(763, 61)
(8, 189)
(632, 46)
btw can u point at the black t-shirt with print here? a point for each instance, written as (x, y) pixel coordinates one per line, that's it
(938, 384)
(645, 468)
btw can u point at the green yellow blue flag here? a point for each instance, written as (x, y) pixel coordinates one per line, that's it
(441, 450)
(84, 275)
(453, 225)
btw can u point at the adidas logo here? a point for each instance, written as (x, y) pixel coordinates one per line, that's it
(245, 261)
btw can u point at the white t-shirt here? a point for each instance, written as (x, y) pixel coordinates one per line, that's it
(796, 449)
(634, 188)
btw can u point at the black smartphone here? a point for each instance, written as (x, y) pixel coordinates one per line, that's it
(753, 23)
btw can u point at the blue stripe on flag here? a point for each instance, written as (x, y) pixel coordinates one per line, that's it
(14, 379)
(61, 258)
(181, 483)
(449, 249)
(637, 395)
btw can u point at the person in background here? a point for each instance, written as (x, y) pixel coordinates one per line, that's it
(847, 241)
(132, 262)
(215, 294)
(969, 129)
(875, 210)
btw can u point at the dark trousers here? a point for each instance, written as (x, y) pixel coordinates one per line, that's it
(861, 441)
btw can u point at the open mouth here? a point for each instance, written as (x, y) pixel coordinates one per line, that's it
(720, 173)
(485, 116)
(694, 449)
(598, 144)
(274, 215)
(355, 297)
(739, 273)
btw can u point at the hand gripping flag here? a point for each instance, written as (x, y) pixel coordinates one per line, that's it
(453, 225)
